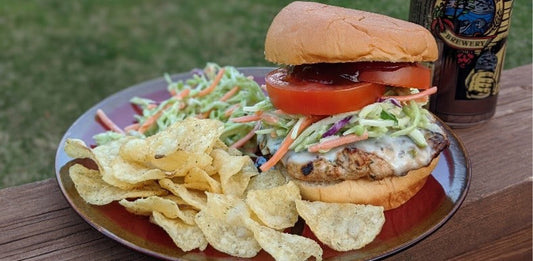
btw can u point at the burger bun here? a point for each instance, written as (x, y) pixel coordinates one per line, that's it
(308, 32)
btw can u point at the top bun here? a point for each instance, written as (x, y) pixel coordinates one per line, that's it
(307, 32)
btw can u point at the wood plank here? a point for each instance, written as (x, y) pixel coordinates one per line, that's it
(515, 91)
(492, 151)
(516, 246)
(480, 224)
(38, 223)
(518, 76)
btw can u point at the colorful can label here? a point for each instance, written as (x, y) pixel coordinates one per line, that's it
(471, 36)
(477, 30)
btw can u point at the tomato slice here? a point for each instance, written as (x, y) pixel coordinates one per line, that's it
(297, 96)
(410, 75)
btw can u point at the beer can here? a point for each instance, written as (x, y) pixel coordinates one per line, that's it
(471, 36)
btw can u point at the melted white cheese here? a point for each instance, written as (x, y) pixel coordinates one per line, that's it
(400, 152)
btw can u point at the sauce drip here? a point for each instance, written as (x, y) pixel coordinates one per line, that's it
(337, 73)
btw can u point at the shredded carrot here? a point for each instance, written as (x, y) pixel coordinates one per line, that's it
(108, 123)
(182, 94)
(284, 147)
(231, 109)
(230, 93)
(330, 144)
(149, 122)
(204, 115)
(134, 126)
(247, 137)
(152, 119)
(278, 111)
(226, 96)
(213, 85)
(415, 96)
(151, 106)
(269, 118)
(248, 118)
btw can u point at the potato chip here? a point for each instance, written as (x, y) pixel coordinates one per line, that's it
(226, 164)
(221, 223)
(265, 180)
(175, 198)
(185, 236)
(190, 161)
(167, 207)
(198, 179)
(178, 180)
(211, 171)
(94, 190)
(197, 186)
(284, 246)
(237, 184)
(235, 171)
(183, 145)
(180, 162)
(342, 226)
(194, 199)
(102, 156)
(233, 151)
(106, 157)
(219, 144)
(136, 150)
(77, 149)
(190, 135)
(180, 147)
(133, 173)
(275, 207)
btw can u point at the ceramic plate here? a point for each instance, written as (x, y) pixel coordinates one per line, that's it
(428, 210)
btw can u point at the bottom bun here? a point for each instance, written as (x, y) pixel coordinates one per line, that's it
(390, 192)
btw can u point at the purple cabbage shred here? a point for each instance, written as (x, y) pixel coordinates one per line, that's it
(392, 100)
(336, 127)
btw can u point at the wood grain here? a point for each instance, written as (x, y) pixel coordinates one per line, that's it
(516, 246)
(480, 225)
(38, 224)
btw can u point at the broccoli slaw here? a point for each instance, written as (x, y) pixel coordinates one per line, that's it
(200, 96)
(388, 117)
(225, 94)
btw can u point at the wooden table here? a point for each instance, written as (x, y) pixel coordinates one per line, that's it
(494, 221)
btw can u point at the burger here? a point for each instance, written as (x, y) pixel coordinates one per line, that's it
(345, 118)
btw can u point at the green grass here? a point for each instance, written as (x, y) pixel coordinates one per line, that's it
(58, 58)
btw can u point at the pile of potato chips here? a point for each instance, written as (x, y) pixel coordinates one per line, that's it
(202, 192)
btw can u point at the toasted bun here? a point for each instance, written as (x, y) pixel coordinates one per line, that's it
(390, 192)
(307, 32)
